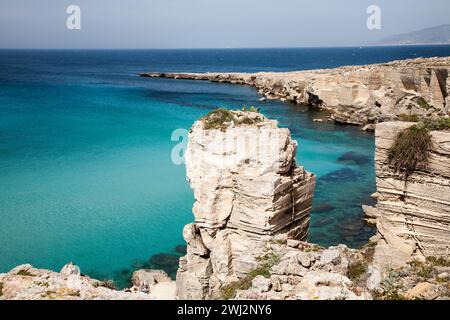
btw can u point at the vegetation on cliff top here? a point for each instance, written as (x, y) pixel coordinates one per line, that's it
(222, 118)
(106, 284)
(411, 149)
(25, 273)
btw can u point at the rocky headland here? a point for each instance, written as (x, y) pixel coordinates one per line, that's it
(361, 95)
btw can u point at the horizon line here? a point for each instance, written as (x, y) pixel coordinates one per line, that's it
(237, 48)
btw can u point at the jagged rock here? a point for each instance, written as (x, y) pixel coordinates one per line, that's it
(330, 256)
(320, 285)
(370, 214)
(362, 95)
(370, 127)
(374, 279)
(145, 279)
(443, 276)
(70, 270)
(423, 290)
(304, 259)
(192, 236)
(441, 269)
(248, 191)
(261, 284)
(293, 243)
(28, 283)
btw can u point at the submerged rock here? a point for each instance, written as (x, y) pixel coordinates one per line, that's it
(344, 174)
(181, 249)
(325, 207)
(162, 260)
(354, 158)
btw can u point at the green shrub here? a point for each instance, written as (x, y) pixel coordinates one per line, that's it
(25, 273)
(421, 102)
(228, 292)
(253, 109)
(425, 271)
(410, 150)
(391, 288)
(356, 270)
(441, 262)
(422, 269)
(74, 293)
(1, 289)
(219, 118)
(408, 117)
(106, 284)
(393, 294)
(438, 124)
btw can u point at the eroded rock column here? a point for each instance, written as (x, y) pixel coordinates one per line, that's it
(248, 190)
(412, 217)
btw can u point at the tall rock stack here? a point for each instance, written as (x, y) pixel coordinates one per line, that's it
(412, 217)
(248, 191)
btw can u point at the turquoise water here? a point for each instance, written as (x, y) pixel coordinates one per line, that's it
(85, 152)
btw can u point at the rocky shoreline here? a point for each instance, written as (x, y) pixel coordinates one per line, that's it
(359, 95)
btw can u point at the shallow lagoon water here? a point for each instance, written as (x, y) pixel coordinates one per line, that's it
(85, 152)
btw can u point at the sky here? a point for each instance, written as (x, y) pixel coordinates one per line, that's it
(211, 23)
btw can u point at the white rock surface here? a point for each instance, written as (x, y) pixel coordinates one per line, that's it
(355, 94)
(413, 219)
(25, 282)
(248, 189)
(146, 279)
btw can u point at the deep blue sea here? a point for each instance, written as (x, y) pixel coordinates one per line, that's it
(85, 151)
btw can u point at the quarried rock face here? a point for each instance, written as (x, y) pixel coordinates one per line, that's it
(412, 217)
(248, 191)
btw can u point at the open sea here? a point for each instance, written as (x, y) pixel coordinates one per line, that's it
(85, 151)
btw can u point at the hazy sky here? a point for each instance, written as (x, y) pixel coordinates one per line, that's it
(210, 23)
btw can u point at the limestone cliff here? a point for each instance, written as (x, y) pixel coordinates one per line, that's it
(248, 190)
(413, 216)
(361, 95)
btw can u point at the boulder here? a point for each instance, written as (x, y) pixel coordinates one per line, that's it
(145, 279)
(423, 290)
